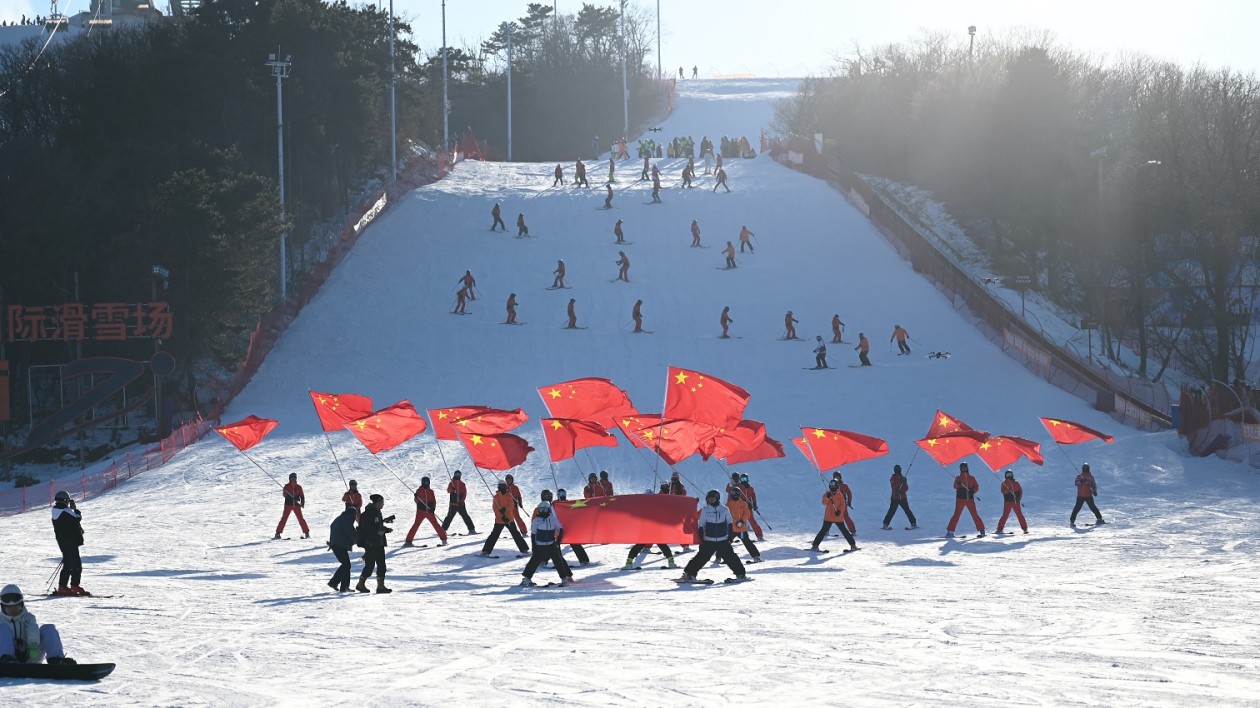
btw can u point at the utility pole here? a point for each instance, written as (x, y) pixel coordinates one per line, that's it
(509, 96)
(659, 68)
(393, 113)
(280, 70)
(625, 92)
(446, 103)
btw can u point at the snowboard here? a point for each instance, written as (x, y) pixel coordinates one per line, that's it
(56, 672)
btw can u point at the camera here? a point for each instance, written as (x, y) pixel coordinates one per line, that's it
(388, 519)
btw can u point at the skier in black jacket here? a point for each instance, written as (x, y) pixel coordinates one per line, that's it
(340, 541)
(372, 530)
(67, 524)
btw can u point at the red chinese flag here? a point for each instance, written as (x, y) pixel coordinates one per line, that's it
(566, 436)
(337, 409)
(748, 435)
(247, 432)
(1002, 450)
(767, 450)
(673, 440)
(834, 448)
(588, 399)
(629, 518)
(1065, 432)
(501, 451)
(804, 448)
(691, 395)
(638, 421)
(389, 427)
(491, 420)
(953, 446)
(944, 424)
(442, 418)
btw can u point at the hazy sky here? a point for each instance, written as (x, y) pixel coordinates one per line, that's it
(796, 37)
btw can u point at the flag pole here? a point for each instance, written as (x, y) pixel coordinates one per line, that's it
(547, 445)
(1069, 457)
(758, 513)
(310, 392)
(438, 442)
(391, 471)
(260, 468)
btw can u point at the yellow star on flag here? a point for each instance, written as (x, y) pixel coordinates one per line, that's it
(476, 439)
(554, 393)
(681, 377)
(556, 425)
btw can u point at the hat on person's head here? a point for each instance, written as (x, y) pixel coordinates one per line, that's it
(603, 474)
(896, 469)
(455, 475)
(11, 595)
(293, 475)
(962, 467)
(1085, 467)
(376, 498)
(424, 481)
(61, 496)
(1010, 474)
(353, 483)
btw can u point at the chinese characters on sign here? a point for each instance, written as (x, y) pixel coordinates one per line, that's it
(76, 321)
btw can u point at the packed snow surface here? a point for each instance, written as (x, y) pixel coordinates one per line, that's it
(203, 608)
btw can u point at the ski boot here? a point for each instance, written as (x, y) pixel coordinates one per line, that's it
(528, 583)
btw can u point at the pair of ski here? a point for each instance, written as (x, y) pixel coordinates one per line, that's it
(518, 555)
(828, 550)
(709, 581)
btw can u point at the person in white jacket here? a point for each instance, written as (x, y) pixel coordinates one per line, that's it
(545, 534)
(714, 528)
(24, 640)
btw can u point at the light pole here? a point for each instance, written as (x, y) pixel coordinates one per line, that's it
(1023, 281)
(280, 70)
(625, 92)
(971, 44)
(446, 103)
(509, 96)
(393, 116)
(1241, 417)
(659, 69)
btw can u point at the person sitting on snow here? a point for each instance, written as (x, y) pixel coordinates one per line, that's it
(24, 640)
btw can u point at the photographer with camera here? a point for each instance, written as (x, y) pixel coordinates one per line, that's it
(68, 526)
(372, 530)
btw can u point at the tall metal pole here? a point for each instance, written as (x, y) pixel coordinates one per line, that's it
(446, 103)
(659, 68)
(393, 113)
(280, 69)
(625, 91)
(509, 96)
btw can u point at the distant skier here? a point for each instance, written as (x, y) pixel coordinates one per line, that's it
(1086, 490)
(643, 177)
(900, 335)
(726, 322)
(353, 497)
(622, 152)
(621, 236)
(294, 500)
(680, 72)
(67, 523)
(605, 484)
(714, 530)
(572, 315)
(341, 535)
(833, 513)
(612, 169)
(730, 255)
(837, 329)
(559, 180)
(637, 315)
(608, 199)
(624, 262)
(789, 324)
(498, 218)
(745, 237)
(505, 517)
(461, 301)
(688, 174)
(458, 493)
(511, 309)
(863, 349)
(1012, 500)
(721, 180)
(900, 499)
(965, 488)
(695, 72)
(579, 175)
(470, 284)
(372, 531)
(559, 273)
(521, 229)
(695, 233)
(426, 504)
(546, 532)
(656, 189)
(820, 354)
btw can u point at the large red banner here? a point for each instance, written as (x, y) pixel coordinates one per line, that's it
(629, 518)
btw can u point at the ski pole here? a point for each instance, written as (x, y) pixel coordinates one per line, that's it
(48, 585)
(767, 523)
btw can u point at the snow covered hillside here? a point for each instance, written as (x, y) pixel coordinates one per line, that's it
(205, 609)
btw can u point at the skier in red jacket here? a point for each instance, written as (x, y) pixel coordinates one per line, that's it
(1012, 500)
(579, 175)
(426, 503)
(559, 180)
(848, 501)
(900, 498)
(965, 488)
(458, 493)
(593, 488)
(1086, 490)
(353, 498)
(294, 500)
(605, 484)
(750, 495)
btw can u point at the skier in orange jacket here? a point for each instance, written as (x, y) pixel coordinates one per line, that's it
(353, 498)
(505, 517)
(863, 349)
(621, 236)
(637, 315)
(965, 488)
(695, 233)
(605, 484)
(559, 180)
(847, 493)
(624, 262)
(1086, 490)
(833, 513)
(559, 273)
(470, 283)
(579, 175)
(498, 218)
(511, 309)
(1012, 500)
(900, 335)
(459, 494)
(521, 229)
(741, 520)
(726, 321)
(751, 495)
(789, 323)
(745, 237)
(515, 491)
(837, 329)
(730, 255)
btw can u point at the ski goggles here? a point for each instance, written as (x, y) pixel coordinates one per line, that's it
(11, 598)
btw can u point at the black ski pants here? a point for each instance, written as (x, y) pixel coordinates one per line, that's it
(638, 548)
(341, 578)
(463, 514)
(820, 360)
(822, 533)
(71, 567)
(516, 536)
(548, 552)
(498, 221)
(707, 550)
(580, 554)
(748, 544)
(865, 361)
(905, 506)
(373, 559)
(1081, 501)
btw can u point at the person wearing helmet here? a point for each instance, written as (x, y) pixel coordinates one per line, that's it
(1012, 500)
(900, 335)
(515, 491)
(341, 536)
(847, 493)
(1086, 490)
(833, 513)
(592, 488)
(965, 488)
(67, 523)
(900, 498)
(354, 498)
(789, 324)
(505, 516)
(820, 353)
(558, 282)
(294, 500)
(677, 489)
(458, 493)
(863, 349)
(546, 533)
(750, 495)
(23, 639)
(426, 504)
(741, 514)
(578, 551)
(372, 530)
(605, 484)
(715, 532)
